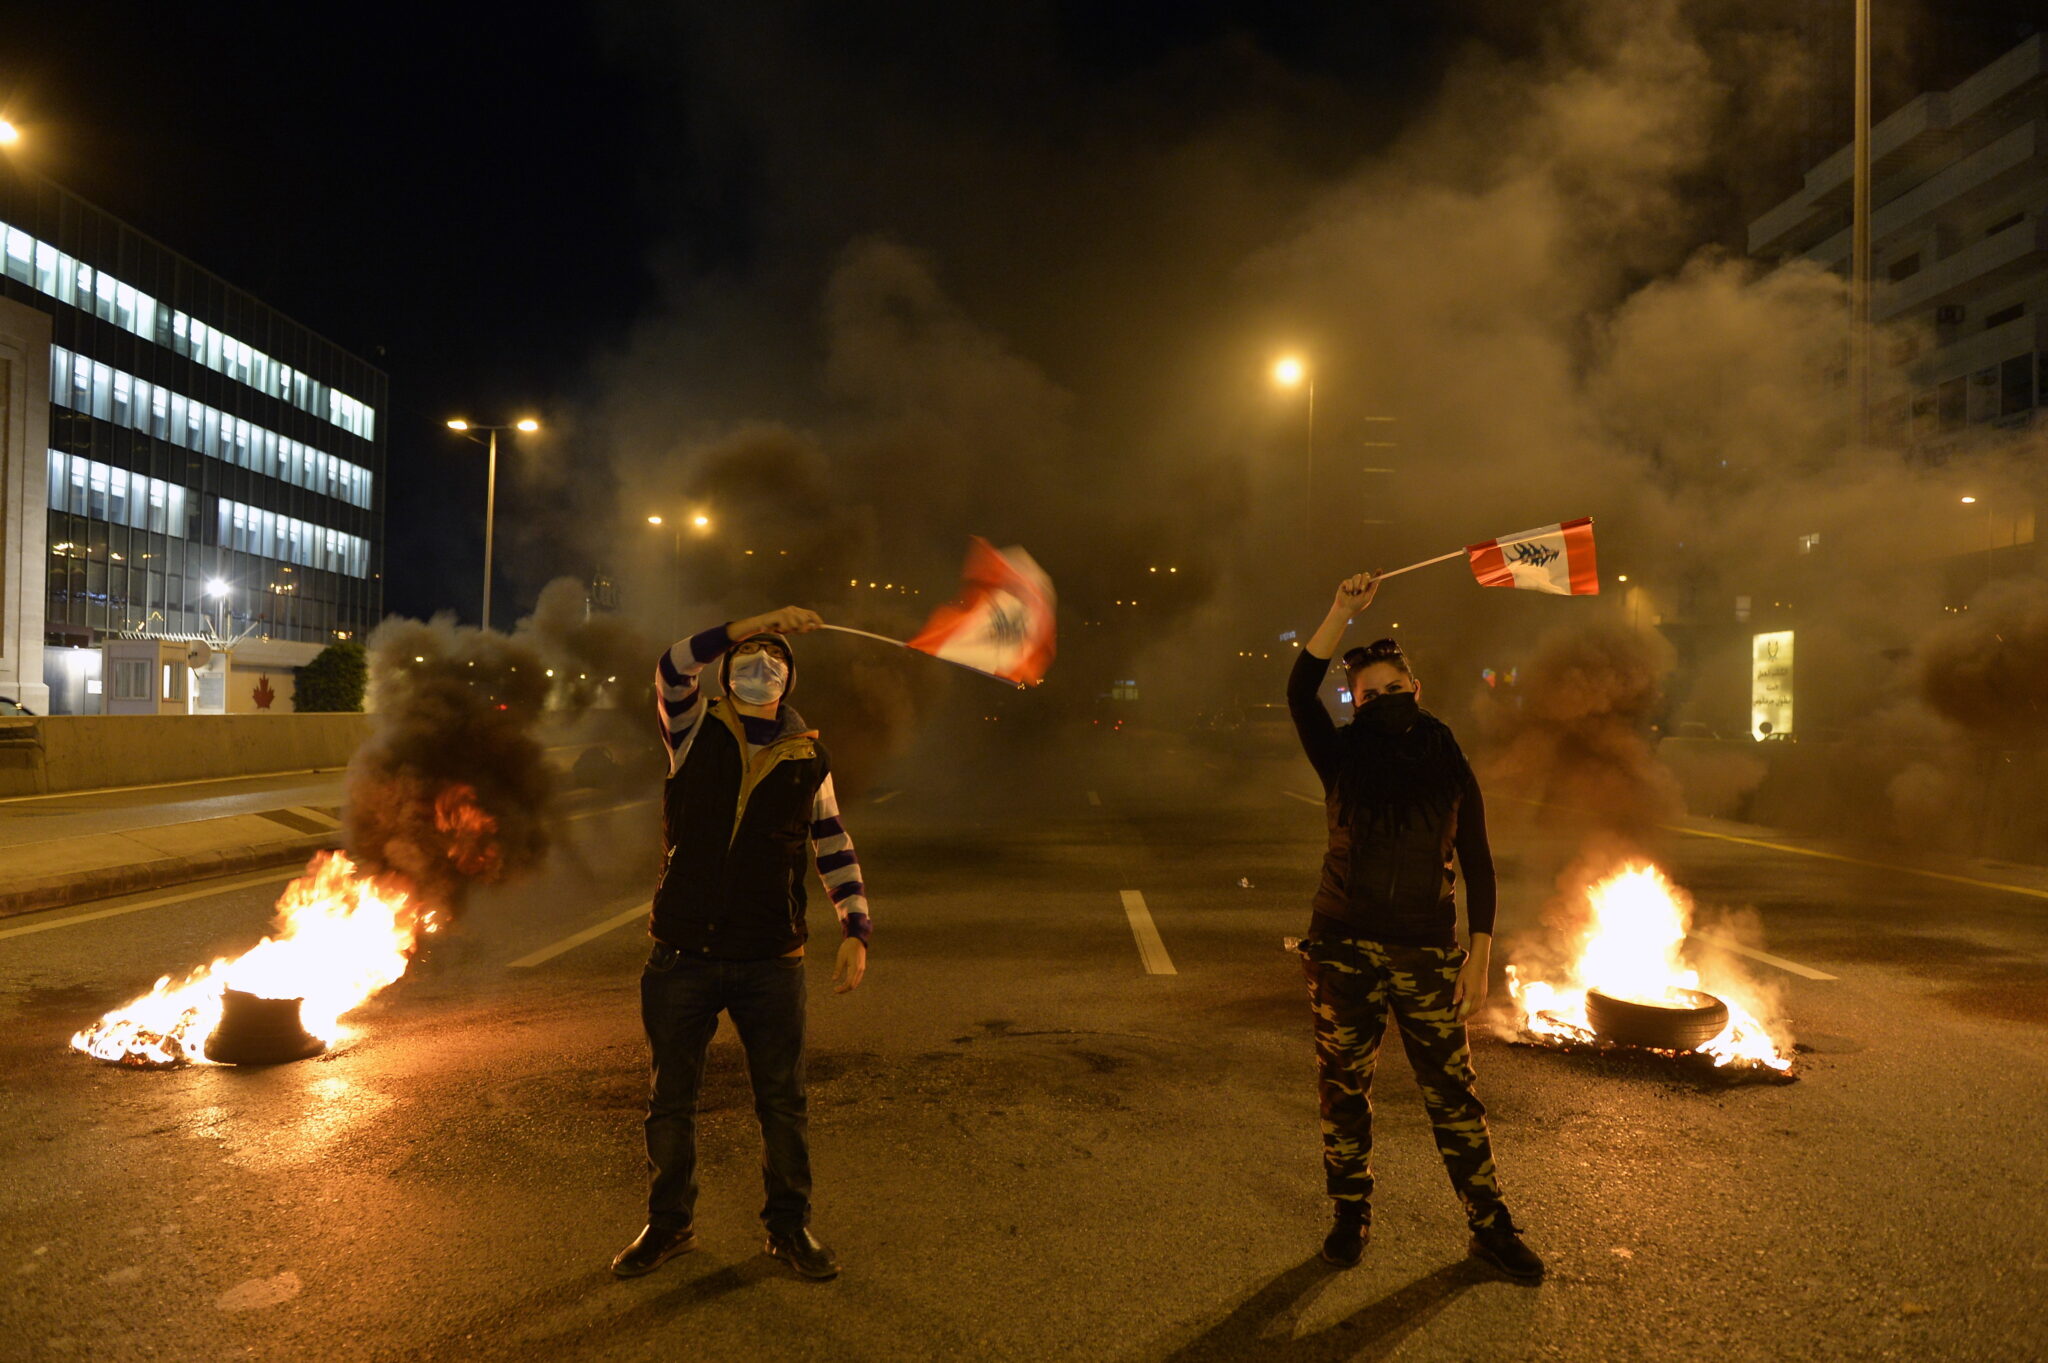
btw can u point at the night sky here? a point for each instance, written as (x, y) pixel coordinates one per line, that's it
(487, 201)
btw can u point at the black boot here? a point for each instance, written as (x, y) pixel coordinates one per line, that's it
(1344, 1246)
(1500, 1244)
(654, 1248)
(803, 1253)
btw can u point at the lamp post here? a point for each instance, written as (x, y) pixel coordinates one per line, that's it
(1290, 372)
(466, 430)
(699, 522)
(1859, 236)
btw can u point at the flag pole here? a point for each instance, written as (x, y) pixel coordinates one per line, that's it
(883, 638)
(1445, 558)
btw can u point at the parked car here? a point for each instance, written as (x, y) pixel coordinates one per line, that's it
(9, 706)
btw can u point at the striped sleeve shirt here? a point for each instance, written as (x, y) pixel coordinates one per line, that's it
(680, 707)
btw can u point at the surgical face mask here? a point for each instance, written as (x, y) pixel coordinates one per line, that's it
(758, 678)
(1391, 713)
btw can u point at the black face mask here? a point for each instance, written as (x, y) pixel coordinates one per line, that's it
(1392, 713)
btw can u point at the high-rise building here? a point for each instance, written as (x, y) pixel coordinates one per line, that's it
(177, 459)
(1959, 244)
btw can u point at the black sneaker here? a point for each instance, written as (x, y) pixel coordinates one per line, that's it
(803, 1253)
(1500, 1245)
(1344, 1246)
(654, 1248)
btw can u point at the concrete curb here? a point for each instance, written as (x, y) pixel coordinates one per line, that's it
(55, 892)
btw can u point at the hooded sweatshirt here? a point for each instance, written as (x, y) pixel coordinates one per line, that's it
(746, 799)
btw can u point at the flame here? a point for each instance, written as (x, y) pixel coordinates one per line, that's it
(1632, 947)
(472, 834)
(341, 936)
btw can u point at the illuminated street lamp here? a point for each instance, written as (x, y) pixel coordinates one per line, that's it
(217, 588)
(9, 134)
(465, 429)
(1289, 371)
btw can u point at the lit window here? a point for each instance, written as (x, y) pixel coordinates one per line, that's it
(57, 275)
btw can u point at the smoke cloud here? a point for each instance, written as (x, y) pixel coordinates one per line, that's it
(1040, 303)
(450, 790)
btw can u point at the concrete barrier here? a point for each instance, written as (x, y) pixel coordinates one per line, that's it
(55, 753)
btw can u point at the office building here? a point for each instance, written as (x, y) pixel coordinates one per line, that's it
(179, 460)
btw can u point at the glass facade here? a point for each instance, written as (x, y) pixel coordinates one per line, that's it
(195, 435)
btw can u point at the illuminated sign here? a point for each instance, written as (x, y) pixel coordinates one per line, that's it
(1770, 685)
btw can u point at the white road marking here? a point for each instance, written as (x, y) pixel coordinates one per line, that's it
(608, 809)
(640, 908)
(1151, 950)
(885, 797)
(166, 785)
(1305, 799)
(1094, 799)
(318, 816)
(216, 887)
(1731, 944)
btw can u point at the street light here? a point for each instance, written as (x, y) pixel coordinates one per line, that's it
(9, 134)
(1289, 371)
(464, 428)
(217, 588)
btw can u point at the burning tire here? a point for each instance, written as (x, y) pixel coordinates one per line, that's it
(1680, 1026)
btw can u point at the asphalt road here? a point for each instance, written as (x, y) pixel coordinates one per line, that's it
(1027, 1146)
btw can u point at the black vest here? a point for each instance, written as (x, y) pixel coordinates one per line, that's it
(1391, 880)
(738, 835)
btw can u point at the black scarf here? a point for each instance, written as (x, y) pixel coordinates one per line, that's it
(1389, 779)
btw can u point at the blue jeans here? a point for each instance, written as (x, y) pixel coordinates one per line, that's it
(680, 1000)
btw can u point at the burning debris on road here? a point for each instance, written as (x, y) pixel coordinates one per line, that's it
(341, 937)
(449, 792)
(1624, 985)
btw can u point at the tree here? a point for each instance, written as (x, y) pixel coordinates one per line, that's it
(334, 680)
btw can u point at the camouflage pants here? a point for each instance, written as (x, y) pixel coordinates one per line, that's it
(1352, 985)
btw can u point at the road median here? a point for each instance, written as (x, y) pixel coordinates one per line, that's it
(64, 871)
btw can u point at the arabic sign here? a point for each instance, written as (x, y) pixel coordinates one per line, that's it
(1770, 685)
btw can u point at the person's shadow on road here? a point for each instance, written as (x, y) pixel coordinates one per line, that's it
(1261, 1328)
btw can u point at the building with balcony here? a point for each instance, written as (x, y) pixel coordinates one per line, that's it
(177, 459)
(1959, 246)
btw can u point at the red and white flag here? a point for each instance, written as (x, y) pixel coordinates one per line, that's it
(1002, 621)
(1556, 558)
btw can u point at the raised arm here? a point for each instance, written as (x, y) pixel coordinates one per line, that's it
(1311, 720)
(678, 699)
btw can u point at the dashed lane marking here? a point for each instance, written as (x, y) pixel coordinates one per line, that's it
(156, 902)
(1094, 799)
(1971, 881)
(1151, 950)
(1779, 961)
(640, 907)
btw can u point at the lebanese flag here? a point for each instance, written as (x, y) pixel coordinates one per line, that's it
(1002, 621)
(1556, 559)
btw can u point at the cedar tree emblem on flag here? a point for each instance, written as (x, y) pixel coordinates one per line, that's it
(1002, 621)
(1556, 558)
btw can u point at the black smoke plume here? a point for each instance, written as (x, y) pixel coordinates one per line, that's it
(1573, 738)
(450, 791)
